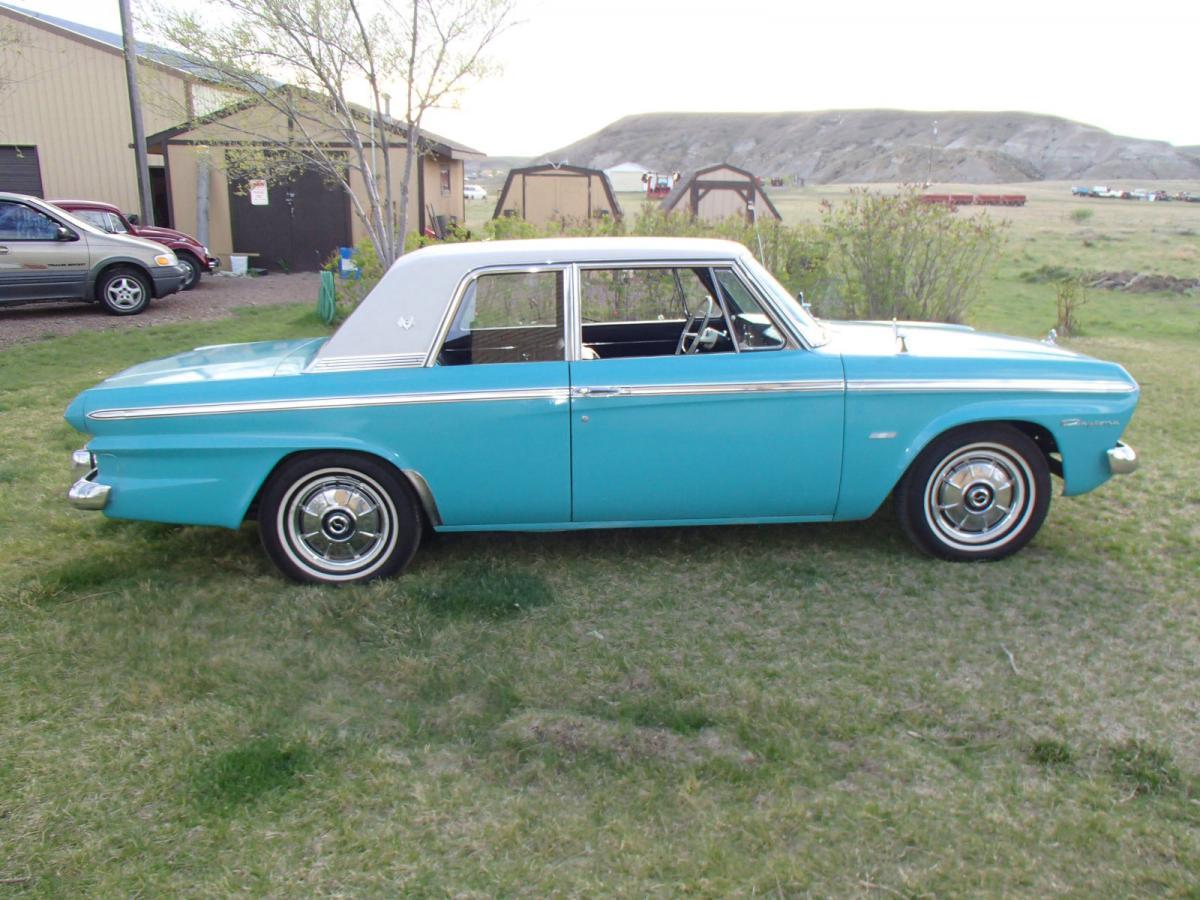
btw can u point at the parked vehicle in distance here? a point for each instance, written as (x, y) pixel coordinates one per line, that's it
(474, 192)
(46, 253)
(107, 217)
(590, 383)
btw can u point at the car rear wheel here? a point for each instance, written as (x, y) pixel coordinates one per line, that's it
(123, 291)
(339, 518)
(976, 493)
(194, 270)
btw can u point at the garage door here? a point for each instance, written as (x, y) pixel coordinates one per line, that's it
(19, 170)
(298, 227)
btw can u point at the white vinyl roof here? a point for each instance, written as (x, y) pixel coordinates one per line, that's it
(400, 319)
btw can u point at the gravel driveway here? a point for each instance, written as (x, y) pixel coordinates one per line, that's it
(214, 298)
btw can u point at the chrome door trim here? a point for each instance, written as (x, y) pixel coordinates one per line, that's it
(556, 395)
(814, 386)
(989, 385)
(367, 361)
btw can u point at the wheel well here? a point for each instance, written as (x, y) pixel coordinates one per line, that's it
(1039, 434)
(416, 483)
(123, 264)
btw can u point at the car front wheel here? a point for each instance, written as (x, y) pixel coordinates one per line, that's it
(977, 493)
(337, 518)
(192, 265)
(123, 292)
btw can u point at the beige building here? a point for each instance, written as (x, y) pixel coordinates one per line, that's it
(719, 192)
(65, 133)
(548, 194)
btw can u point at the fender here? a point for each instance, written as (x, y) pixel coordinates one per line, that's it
(884, 436)
(107, 263)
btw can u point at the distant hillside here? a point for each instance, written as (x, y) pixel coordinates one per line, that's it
(884, 145)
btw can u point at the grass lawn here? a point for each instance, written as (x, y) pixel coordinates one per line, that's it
(782, 710)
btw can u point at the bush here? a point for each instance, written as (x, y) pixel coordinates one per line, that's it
(1081, 215)
(896, 256)
(1070, 294)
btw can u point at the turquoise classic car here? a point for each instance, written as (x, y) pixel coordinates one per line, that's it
(589, 383)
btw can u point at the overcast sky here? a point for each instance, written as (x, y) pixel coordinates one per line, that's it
(573, 66)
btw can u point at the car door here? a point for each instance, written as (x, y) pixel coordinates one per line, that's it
(496, 452)
(37, 262)
(744, 424)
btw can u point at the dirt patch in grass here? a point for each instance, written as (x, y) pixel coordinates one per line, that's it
(575, 736)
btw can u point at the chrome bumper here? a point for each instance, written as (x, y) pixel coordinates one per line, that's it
(86, 493)
(1122, 459)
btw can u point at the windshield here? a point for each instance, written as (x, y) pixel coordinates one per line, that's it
(813, 331)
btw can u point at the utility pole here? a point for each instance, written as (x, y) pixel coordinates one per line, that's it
(929, 171)
(135, 114)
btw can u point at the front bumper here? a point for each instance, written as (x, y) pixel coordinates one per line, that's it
(86, 493)
(212, 263)
(1122, 459)
(168, 279)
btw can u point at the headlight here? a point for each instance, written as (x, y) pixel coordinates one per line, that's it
(166, 259)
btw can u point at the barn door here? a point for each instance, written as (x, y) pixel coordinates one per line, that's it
(303, 221)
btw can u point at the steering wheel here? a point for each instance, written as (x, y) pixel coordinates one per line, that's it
(707, 317)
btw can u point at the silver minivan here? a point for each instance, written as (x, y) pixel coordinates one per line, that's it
(48, 254)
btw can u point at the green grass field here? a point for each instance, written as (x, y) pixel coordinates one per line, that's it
(777, 711)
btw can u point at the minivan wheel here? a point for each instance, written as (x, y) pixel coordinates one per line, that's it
(192, 265)
(124, 292)
(339, 518)
(976, 493)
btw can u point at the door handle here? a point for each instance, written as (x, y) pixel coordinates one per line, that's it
(3, 250)
(581, 392)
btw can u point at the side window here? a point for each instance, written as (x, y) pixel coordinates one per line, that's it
(507, 317)
(115, 225)
(645, 312)
(752, 327)
(94, 217)
(19, 222)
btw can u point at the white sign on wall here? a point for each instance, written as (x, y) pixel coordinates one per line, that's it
(258, 192)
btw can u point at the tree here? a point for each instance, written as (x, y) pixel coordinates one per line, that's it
(895, 256)
(327, 67)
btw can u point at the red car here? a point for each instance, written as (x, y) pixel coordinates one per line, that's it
(193, 255)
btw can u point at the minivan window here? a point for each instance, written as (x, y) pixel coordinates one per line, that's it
(19, 222)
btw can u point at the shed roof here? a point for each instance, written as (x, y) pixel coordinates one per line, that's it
(683, 184)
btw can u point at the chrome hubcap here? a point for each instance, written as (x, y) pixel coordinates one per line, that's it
(979, 496)
(124, 293)
(336, 521)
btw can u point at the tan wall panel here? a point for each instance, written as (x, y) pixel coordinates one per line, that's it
(720, 204)
(71, 102)
(182, 166)
(550, 198)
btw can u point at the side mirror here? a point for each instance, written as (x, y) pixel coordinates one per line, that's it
(65, 234)
(132, 218)
(803, 303)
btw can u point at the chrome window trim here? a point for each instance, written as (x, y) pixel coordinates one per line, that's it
(459, 292)
(766, 295)
(1016, 385)
(367, 361)
(557, 395)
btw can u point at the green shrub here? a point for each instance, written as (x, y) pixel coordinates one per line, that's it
(1081, 215)
(893, 255)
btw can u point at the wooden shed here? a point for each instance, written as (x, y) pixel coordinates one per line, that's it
(718, 192)
(548, 193)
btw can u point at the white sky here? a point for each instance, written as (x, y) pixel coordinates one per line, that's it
(573, 66)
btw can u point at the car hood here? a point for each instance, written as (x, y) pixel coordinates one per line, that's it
(929, 339)
(221, 362)
(155, 233)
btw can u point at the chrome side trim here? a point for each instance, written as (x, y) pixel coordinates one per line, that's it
(377, 361)
(1122, 459)
(700, 390)
(87, 494)
(557, 395)
(421, 488)
(950, 386)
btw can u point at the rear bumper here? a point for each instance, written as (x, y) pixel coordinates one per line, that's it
(168, 279)
(1122, 459)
